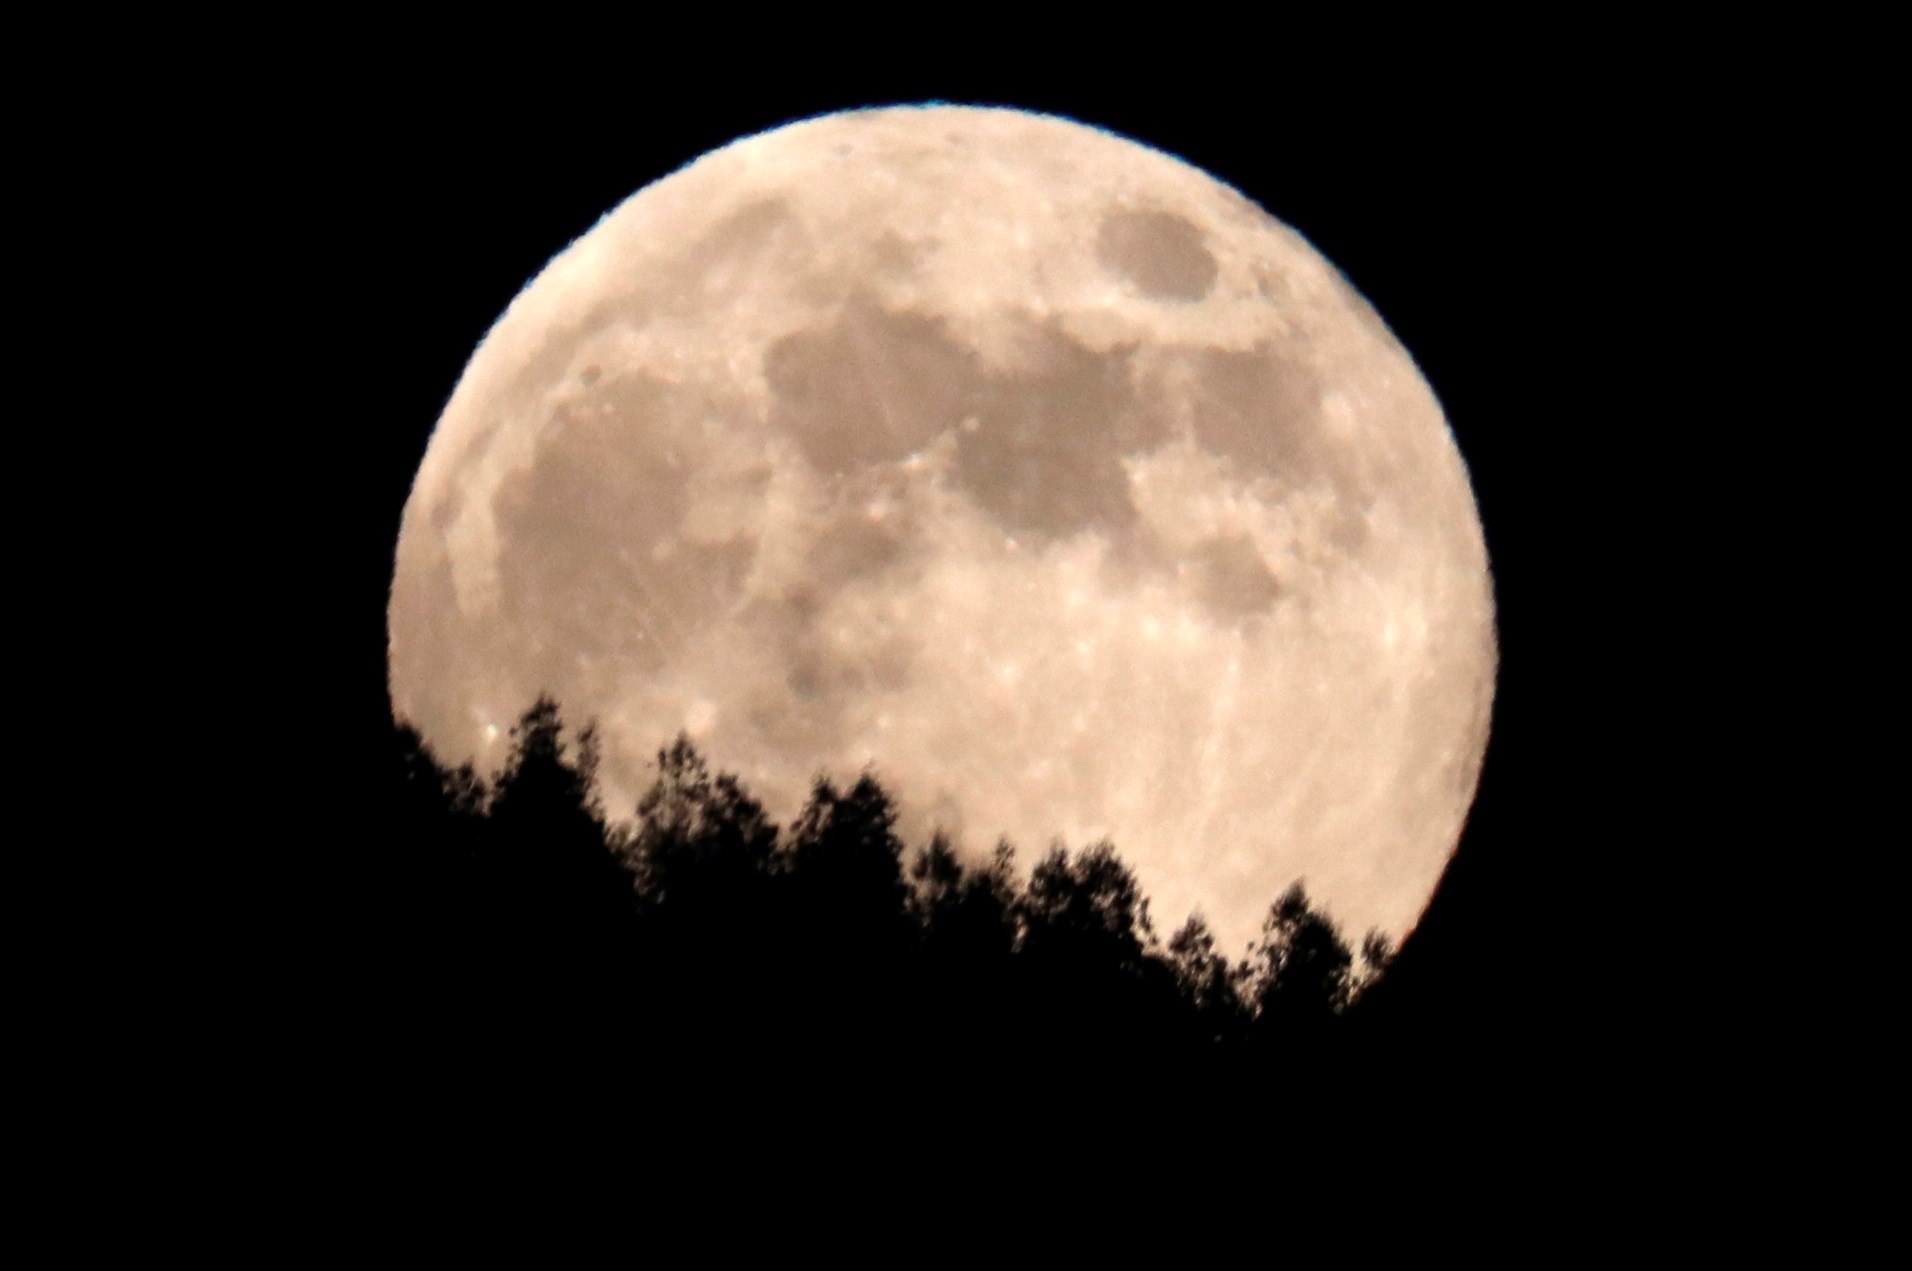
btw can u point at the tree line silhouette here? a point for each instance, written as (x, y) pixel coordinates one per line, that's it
(706, 931)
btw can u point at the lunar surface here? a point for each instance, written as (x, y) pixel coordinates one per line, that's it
(1030, 465)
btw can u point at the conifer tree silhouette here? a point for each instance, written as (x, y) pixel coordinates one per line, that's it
(1210, 986)
(699, 837)
(556, 902)
(850, 927)
(704, 931)
(1301, 967)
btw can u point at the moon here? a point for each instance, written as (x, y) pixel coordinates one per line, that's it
(1032, 466)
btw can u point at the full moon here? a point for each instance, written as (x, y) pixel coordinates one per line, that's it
(1032, 467)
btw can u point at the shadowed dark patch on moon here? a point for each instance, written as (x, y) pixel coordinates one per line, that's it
(445, 512)
(1038, 447)
(790, 723)
(820, 675)
(616, 410)
(732, 253)
(1262, 409)
(825, 658)
(591, 557)
(780, 625)
(850, 552)
(1162, 254)
(851, 549)
(823, 672)
(1351, 529)
(1044, 451)
(871, 387)
(1231, 578)
(893, 255)
(709, 576)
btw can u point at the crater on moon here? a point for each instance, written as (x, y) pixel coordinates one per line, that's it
(1159, 252)
(931, 438)
(1231, 577)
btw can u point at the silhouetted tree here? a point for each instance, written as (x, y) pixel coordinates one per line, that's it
(967, 931)
(1301, 966)
(1086, 906)
(846, 932)
(545, 783)
(706, 860)
(1209, 984)
(844, 847)
(1086, 970)
(699, 837)
(936, 878)
(420, 887)
(710, 933)
(967, 914)
(429, 792)
(1377, 955)
(437, 812)
(556, 901)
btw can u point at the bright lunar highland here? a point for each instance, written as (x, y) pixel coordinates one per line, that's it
(1030, 465)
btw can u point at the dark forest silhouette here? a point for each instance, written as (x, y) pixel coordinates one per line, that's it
(524, 910)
